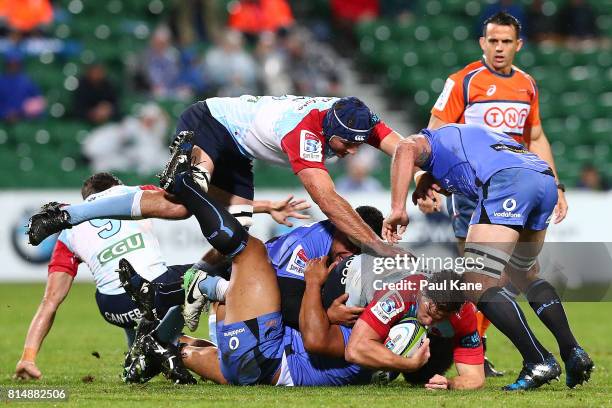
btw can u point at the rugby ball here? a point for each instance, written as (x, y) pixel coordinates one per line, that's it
(406, 337)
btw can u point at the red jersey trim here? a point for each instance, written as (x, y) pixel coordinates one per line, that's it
(63, 260)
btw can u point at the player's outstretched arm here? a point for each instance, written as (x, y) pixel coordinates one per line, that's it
(539, 145)
(282, 210)
(321, 188)
(366, 348)
(58, 286)
(318, 334)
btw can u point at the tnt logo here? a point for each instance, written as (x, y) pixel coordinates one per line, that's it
(513, 118)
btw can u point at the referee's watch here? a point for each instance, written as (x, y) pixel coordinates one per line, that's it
(561, 187)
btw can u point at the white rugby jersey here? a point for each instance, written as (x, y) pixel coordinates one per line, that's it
(280, 129)
(100, 244)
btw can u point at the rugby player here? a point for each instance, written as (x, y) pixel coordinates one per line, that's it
(493, 92)
(229, 133)
(255, 346)
(288, 254)
(517, 194)
(93, 243)
(452, 329)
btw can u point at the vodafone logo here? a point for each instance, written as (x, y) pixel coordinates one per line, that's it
(491, 90)
(510, 117)
(509, 204)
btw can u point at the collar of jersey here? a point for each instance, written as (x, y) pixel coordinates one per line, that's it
(484, 62)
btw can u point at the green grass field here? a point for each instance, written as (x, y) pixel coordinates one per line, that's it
(66, 360)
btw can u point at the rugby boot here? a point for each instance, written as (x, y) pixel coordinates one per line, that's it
(171, 363)
(578, 367)
(180, 159)
(139, 367)
(139, 289)
(489, 367)
(48, 221)
(195, 300)
(534, 375)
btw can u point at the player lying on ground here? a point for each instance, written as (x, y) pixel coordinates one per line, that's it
(453, 335)
(288, 254)
(252, 329)
(96, 243)
(516, 193)
(296, 131)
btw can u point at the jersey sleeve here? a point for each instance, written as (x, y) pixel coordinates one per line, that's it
(533, 119)
(304, 149)
(63, 259)
(450, 104)
(379, 132)
(151, 187)
(467, 344)
(383, 313)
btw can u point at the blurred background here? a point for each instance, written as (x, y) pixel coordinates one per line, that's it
(90, 85)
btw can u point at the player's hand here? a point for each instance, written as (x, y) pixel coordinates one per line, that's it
(394, 225)
(27, 370)
(340, 313)
(428, 205)
(282, 210)
(421, 356)
(316, 271)
(561, 207)
(437, 382)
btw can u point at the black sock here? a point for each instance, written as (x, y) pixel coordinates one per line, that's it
(219, 227)
(507, 316)
(545, 302)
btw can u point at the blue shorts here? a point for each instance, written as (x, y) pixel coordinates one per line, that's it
(120, 310)
(517, 197)
(251, 351)
(233, 171)
(460, 208)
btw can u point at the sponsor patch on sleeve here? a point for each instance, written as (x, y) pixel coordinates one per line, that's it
(444, 95)
(297, 262)
(388, 306)
(311, 148)
(471, 340)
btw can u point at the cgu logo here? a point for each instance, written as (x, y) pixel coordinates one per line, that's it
(129, 244)
(510, 117)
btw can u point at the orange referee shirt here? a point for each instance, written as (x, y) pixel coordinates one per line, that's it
(479, 95)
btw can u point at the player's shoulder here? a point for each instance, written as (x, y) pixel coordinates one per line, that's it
(523, 75)
(469, 69)
(465, 319)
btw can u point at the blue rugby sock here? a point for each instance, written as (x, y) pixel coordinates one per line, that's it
(115, 207)
(171, 326)
(209, 287)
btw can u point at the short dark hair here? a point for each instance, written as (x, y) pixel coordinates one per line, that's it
(99, 182)
(502, 18)
(449, 300)
(371, 216)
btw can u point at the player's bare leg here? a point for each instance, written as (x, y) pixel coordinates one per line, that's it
(203, 361)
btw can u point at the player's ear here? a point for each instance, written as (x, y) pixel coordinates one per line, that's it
(482, 42)
(520, 44)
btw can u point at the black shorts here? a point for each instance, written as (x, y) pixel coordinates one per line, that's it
(120, 310)
(233, 171)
